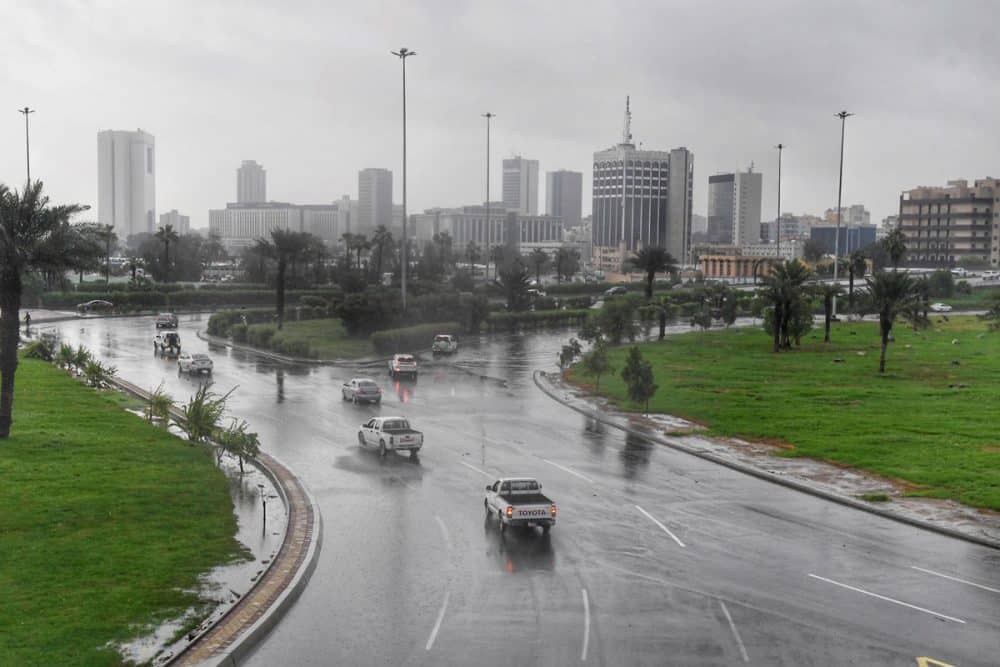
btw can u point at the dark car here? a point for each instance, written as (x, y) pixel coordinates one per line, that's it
(617, 290)
(166, 321)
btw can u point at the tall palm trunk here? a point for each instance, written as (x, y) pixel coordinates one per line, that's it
(828, 315)
(280, 291)
(650, 276)
(850, 290)
(10, 313)
(166, 261)
(777, 327)
(885, 344)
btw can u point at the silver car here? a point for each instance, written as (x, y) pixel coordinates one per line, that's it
(194, 363)
(361, 390)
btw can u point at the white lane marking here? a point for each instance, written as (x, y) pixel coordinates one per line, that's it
(586, 625)
(961, 581)
(437, 624)
(662, 527)
(472, 467)
(888, 599)
(736, 633)
(570, 471)
(444, 531)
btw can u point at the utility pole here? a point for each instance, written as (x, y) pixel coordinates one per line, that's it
(403, 54)
(777, 220)
(27, 144)
(842, 115)
(488, 116)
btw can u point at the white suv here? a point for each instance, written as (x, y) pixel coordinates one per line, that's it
(403, 364)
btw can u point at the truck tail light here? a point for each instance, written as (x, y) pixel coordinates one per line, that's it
(553, 510)
(510, 511)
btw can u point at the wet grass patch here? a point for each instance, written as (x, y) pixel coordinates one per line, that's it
(910, 424)
(107, 524)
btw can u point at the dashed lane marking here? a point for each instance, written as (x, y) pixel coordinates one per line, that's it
(437, 624)
(736, 633)
(586, 625)
(444, 531)
(662, 527)
(472, 467)
(570, 471)
(961, 581)
(888, 599)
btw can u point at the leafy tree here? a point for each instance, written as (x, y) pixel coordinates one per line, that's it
(567, 263)
(916, 309)
(812, 251)
(166, 235)
(569, 352)
(203, 413)
(666, 312)
(597, 362)
(443, 243)
(515, 283)
(237, 440)
(653, 260)
(31, 236)
(473, 253)
(616, 320)
(942, 284)
(463, 281)
(431, 264)
(638, 377)
(828, 292)
(895, 246)
(538, 261)
(890, 293)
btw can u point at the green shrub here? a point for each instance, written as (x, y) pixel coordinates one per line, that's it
(409, 338)
(314, 301)
(293, 348)
(512, 321)
(238, 332)
(40, 349)
(260, 335)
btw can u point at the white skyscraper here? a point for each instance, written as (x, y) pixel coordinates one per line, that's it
(520, 185)
(734, 208)
(126, 181)
(251, 183)
(374, 200)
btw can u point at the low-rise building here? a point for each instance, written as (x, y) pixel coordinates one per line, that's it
(946, 225)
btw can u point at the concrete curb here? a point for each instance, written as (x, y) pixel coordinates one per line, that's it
(303, 518)
(767, 476)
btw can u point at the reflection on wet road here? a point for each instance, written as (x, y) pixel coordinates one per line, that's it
(411, 572)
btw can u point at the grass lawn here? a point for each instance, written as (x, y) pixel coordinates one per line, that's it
(326, 338)
(107, 520)
(908, 425)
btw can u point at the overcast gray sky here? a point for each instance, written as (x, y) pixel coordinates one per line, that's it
(309, 90)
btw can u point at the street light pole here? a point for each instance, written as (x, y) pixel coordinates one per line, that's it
(27, 144)
(777, 220)
(403, 54)
(842, 115)
(488, 116)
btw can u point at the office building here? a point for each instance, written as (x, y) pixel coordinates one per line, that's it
(126, 181)
(520, 185)
(564, 196)
(374, 200)
(251, 183)
(469, 224)
(180, 223)
(855, 214)
(946, 225)
(734, 208)
(239, 226)
(852, 237)
(347, 214)
(640, 198)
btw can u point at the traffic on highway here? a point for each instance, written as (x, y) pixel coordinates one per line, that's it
(660, 558)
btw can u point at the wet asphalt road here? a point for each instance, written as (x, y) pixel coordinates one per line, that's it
(658, 558)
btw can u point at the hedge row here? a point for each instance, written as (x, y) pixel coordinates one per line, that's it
(409, 338)
(538, 318)
(267, 337)
(201, 297)
(118, 287)
(225, 322)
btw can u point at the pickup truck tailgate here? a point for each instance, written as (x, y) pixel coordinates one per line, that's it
(405, 439)
(529, 512)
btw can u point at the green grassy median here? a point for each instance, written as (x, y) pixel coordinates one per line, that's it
(316, 339)
(915, 424)
(106, 524)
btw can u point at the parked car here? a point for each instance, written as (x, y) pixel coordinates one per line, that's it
(166, 321)
(361, 390)
(168, 344)
(617, 290)
(95, 306)
(519, 502)
(959, 272)
(403, 364)
(194, 363)
(390, 434)
(991, 275)
(940, 307)
(444, 344)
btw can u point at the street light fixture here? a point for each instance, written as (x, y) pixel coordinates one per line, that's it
(842, 115)
(403, 54)
(27, 146)
(263, 500)
(488, 116)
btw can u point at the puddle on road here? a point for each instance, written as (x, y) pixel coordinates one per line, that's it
(258, 531)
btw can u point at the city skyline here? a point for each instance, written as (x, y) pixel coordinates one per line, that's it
(764, 97)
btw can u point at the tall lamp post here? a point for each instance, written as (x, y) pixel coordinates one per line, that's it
(777, 219)
(842, 115)
(403, 54)
(488, 116)
(27, 146)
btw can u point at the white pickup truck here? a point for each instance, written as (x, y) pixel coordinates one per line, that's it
(390, 434)
(518, 501)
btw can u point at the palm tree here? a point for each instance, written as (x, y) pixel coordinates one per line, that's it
(782, 290)
(166, 235)
(28, 230)
(857, 266)
(890, 293)
(828, 292)
(361, 243)
(514, 280)
(472, 252)
(539, 260)
(895, 245)
(567, 263)
(286, 245)
(653, 260)
(381, 239)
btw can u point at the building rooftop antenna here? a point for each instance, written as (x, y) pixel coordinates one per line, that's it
(627, 130)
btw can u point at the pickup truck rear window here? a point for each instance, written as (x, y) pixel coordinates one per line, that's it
(396, 425)
(524, 486)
